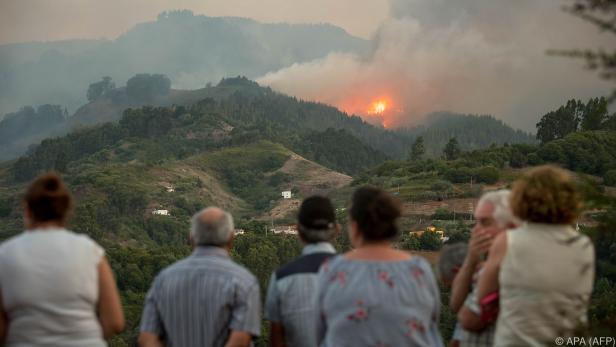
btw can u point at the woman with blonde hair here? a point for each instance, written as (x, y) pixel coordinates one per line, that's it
(543, 271)
(56, 287)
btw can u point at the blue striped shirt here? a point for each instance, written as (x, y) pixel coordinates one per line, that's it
(198, 300)
(292, 292)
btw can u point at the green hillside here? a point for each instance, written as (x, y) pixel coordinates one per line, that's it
(242, 145)
(243, 102)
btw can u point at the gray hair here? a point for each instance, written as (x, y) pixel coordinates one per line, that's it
(212, 226)
(317, 235)
(451, 258)
(502, 210)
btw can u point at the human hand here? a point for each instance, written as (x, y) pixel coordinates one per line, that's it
(478, 245)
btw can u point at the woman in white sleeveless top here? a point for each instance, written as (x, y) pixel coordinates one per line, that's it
(56, 287)
(544, 270)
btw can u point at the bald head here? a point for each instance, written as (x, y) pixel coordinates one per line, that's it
(212, 226)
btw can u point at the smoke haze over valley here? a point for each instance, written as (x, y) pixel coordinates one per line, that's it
(415, 57)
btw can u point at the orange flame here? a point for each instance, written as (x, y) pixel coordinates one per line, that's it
(378, 107)
(380, 110)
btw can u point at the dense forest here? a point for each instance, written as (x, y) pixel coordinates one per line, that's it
(244, 101)
(233, 152)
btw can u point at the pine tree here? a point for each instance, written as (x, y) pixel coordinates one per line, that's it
(418, 150)
(452, 149)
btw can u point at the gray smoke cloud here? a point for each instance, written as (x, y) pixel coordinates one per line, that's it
(469, 56)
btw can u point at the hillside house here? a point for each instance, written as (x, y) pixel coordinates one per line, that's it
(161, 212)
(431, 229)
(289, 229)
(286, 194)
(170, 189)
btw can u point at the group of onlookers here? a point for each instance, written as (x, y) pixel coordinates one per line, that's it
(527, 274)
(524, 279)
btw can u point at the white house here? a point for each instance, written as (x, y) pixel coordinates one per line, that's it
(161, 212)
(286, 194)
(170, 189)
(289, 229)
(239, 231)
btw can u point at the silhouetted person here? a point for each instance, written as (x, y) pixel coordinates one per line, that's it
(376, 295)
(291, 292)
(205, 299)
(57, 288)
(543, 270)
(450, 261)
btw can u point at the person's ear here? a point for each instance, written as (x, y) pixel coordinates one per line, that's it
(230, 243)
(301, 238)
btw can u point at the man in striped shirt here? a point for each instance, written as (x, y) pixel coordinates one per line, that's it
(290, 304)
(205, 299)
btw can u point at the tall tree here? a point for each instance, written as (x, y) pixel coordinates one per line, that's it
(595, 114)
(452, 149)
(147, 87)
(558, 124)
(97, 89)
(418, 150)
(610, 122)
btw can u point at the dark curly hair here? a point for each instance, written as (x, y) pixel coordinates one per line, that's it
(546, 194)
(375, 212)
(48, 199)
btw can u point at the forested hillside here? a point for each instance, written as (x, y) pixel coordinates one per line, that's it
(241, 147)
(471, 131)
(284, 117)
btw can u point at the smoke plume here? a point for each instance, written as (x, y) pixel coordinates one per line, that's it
(469, 56)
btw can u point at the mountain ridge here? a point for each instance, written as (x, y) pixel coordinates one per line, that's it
(191, 49)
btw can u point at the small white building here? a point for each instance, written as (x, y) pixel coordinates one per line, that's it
(170, 189)
(161, 212)
(286, 194)
(239, 231)
(289, 229)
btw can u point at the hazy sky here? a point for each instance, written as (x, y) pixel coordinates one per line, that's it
(468, 56)
(48, 20)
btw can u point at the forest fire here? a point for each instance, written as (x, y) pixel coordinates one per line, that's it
(377, 107)
(380, 111)
(381, 108)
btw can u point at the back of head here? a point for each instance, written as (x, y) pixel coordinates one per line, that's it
(375, 212)
(212, 226)
(48, 199)
(546, 194)
(503, 215)
(316, 219)
(450, 261)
